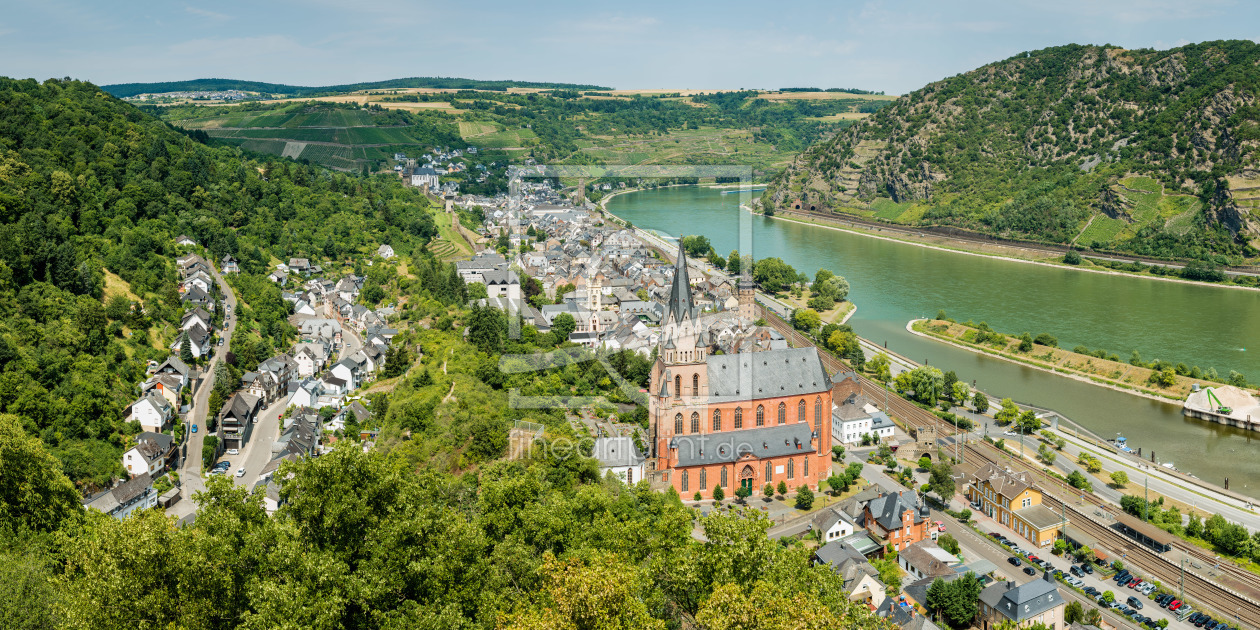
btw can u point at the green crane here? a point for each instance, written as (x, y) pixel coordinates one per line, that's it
(1220, 407)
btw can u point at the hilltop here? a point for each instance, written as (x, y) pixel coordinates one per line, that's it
(1155, 153)
(124, 90)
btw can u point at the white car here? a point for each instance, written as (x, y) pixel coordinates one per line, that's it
(240, 472)
(232, 451)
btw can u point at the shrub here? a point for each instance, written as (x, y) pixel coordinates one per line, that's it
(1072, 257)
(804, 498)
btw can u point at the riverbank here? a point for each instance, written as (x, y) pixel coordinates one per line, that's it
(995, 250)
(1176, 393)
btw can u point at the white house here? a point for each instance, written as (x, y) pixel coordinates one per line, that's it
(385, 251)
(150, 454)
(347, 371)
(302, 307)
(620, 456)
(855, 416)
(125, 498)
(153, 412)
(196, 316)
(310, 358)
(832, 525)
(184, 240)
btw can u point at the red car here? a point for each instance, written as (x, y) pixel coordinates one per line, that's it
(1175, 604)
(1034, 558)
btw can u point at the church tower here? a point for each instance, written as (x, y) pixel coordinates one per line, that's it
(747, 298)
(594, 289)
(679, 387)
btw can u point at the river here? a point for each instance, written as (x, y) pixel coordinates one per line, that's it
(894, 282)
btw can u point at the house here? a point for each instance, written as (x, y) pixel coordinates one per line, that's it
(1038, 601)
(348, 371)
(125, 498)
(301, 437)
(424, 176)
(173, 365)
(348, 288)
(299, 265)
(832, 524)
(1010, 498)
(168, 386)
(897, 519)
(198, 340)
(861, 579)
(153, 412)
(303, 307)
(237, 419)
(196, 296)
(229, 264)
(926, 559)
(152, 454)
(278, 278)
(385, 251)
(354, 411)
(310, 357)
(502, 283)
(196, 317)
(200, 279)
(184, 240)
(619, 456)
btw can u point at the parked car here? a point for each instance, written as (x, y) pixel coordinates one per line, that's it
(1176, 603)
(1014, 560)
(1091, 591)
(1088, 568)
(1075, 570)
(1030, 571)
(240, 472)
(940, 526)
(1193, 618)
(1134, 602)
(233, 451)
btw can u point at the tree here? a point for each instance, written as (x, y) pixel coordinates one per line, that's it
(928, 383)
(562, 326)
(1108, 596)
(964, 515)
(608, 593)
(837, 452)
(1119, 479)
(718, 493)
(948, 543)
(774, 275)
(960, 393)
(209, 451)
(1194, 526)
(980, 402)
(1008, 413)
(1094, 617)
(806, 319)
(925, 462)
(942, 481)
(879, 368)
(1072, 257)
(1073, 613)
(698, 497)
(768, 491)
(889, 572)
(804, 498)
(956, 601)
(1029, 422)
(1078, 481)
(1025, 342)
(487, 329)
(783, 489)
(838, 484)
(397, 360)
(185, 350)
(742, 493)
(34, 494)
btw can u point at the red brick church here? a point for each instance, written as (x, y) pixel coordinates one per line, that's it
(747, 419)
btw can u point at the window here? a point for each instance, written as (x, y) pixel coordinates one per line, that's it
(761, 416)
(684, 481)
(717, 419)
(739, 417)
(791, 469)
(769, 473)
(1027, 502)
(678, 424)
(724, 479)
(782, 413)
(818, 415)
(695, 422)
(704, 484)
(630, 475)
(677, 386)
(805, 470)
(800, 411)
(695, 384)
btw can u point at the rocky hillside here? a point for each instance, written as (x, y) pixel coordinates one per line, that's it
(1151, 152)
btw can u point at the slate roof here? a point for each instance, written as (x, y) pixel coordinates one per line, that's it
(887, 509)
(154, 445)
(616, 451)
(729, 446)
(679, 305)
(1025, 601)
(1007, 484)
(752, 375)
(175, 363)
(827, 519)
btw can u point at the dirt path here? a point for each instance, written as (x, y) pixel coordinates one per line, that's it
(451, 394)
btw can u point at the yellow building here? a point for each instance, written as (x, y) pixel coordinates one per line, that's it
(1010, 499)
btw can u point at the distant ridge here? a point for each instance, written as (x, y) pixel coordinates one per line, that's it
(124, 90)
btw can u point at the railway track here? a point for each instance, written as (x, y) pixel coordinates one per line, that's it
(1229, 590)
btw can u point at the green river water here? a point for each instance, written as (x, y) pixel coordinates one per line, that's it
(893, 283)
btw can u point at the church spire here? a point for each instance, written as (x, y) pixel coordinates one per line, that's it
(679, 306)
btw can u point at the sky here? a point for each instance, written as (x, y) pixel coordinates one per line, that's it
(891, 46)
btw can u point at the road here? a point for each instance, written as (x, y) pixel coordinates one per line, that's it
(191, 481)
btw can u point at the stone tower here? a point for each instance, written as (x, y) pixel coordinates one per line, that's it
(747, 298)
(679, 385)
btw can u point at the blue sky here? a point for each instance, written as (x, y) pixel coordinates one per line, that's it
(895, 46)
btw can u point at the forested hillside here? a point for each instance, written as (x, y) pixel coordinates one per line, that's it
(1151, 152)
(93, 193)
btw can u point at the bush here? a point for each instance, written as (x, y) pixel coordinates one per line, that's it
(1072, 257)
(804, 498)
(718, 493)
(209, 451)
(783, 489)
(948, 543)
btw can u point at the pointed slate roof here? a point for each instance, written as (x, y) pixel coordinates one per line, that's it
(679, 305)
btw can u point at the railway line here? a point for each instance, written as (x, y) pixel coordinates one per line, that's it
(1229, 591)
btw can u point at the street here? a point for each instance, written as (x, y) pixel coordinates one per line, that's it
(190, 470)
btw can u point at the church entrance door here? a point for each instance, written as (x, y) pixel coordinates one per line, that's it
(746, 478)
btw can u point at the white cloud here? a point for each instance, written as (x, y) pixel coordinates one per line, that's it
(208, 14)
